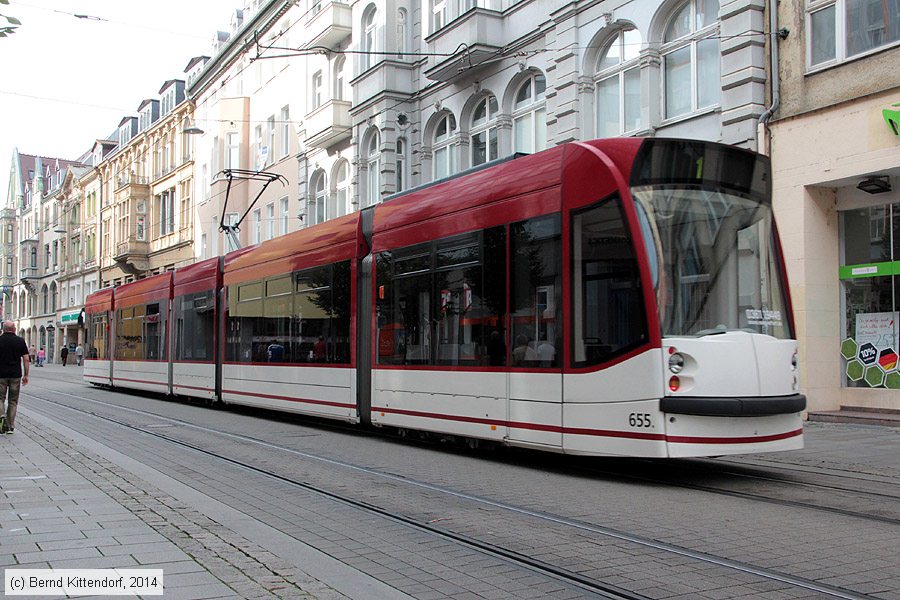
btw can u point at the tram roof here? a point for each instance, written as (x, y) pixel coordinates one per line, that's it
(198, 277)
(99, 301)
(447, 206)
(332, 241)
(156, 287)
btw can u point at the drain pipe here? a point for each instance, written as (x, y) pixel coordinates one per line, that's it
(775, 35)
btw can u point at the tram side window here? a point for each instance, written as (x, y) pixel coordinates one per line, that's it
(442, 303)
(154, 330)
(404, 306)
(607, 308)
(128, 334)
(96, 342)
(195, 318)
(536, 293)
(300, 317)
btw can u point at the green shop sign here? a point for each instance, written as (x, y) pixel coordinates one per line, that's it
(70, 318)
(892, 118)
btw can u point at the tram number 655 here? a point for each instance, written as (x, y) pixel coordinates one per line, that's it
(639, 420)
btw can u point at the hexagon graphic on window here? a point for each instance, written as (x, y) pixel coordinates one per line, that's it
(855, 370)
(849, 348)
(887, 360)
(892, 380)
(868, 353)
(874, 376)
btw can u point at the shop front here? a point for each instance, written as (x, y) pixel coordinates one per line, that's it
(836, 185)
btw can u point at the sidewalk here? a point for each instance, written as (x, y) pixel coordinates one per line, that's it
(64, 508)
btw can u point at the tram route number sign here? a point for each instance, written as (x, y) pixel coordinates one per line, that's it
(868, 353)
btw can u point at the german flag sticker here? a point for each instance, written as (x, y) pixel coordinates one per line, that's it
(887, 359)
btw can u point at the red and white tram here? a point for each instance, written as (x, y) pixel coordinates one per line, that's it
(613, 297)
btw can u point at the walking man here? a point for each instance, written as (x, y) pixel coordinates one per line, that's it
(14, 365)
(64, 355)
(79, 354)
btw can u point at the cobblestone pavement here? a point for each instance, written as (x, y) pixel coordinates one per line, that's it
(215, 538)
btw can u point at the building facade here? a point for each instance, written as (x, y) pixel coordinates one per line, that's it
(352, 102)
(835, 142)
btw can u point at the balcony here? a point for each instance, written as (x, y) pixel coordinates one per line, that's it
(481, 28)
(328, 124)
(29, 273)
(132, 256)
(328, 26)
(125, 179)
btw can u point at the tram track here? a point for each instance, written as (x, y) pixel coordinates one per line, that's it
(594, 586)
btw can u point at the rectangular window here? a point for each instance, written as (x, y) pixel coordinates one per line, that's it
(195, 326)
(285, 217)
(536, 292)
(607, 304)
(257, 227)
(233, 151)
(97, 331)
(303, 317)
(270, 221)
(285, 131)
(443, 302)
(270, 140)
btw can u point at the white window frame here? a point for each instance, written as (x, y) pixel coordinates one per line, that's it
(285, 131)
(318, 197)
(285, 216)
(618, 72)
(535, 110)
(443, 163)
(487, 126)
(316, 91)
(373, 168)
(690, 40)
(370, 38)
(233, 150)
(270, 221)
(339, 76)
(840, 35)
(342, 188)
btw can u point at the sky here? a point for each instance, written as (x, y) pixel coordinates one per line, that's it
(66, 81)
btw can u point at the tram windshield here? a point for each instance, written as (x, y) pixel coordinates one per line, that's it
(706, 218)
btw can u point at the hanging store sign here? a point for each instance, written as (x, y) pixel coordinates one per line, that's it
(892, 118)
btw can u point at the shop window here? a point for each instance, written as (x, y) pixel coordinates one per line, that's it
(871, 305)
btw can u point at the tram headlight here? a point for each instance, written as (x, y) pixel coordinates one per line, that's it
(676, 363)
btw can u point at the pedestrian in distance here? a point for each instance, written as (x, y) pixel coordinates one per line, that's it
(79, 354)
(14, 364)
(33, 354)
(64, 355)
(42, 356)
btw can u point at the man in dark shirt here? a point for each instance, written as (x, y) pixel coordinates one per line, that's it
(14, 365)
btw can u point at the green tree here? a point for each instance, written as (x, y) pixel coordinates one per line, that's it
(12, 23)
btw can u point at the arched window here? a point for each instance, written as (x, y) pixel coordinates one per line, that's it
(618, 85)
(530, 115)
(316, 207)
(373, 169)
(484, 131)
(53, 295)
(444, 152)
(369, 40)
(45, 303)
(691, 58)
(402, 180)
(34, 258)
(341, 189)
(338, 92)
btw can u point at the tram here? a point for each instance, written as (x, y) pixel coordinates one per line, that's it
(613, 297)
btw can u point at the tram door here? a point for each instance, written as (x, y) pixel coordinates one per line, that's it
(535, 370)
